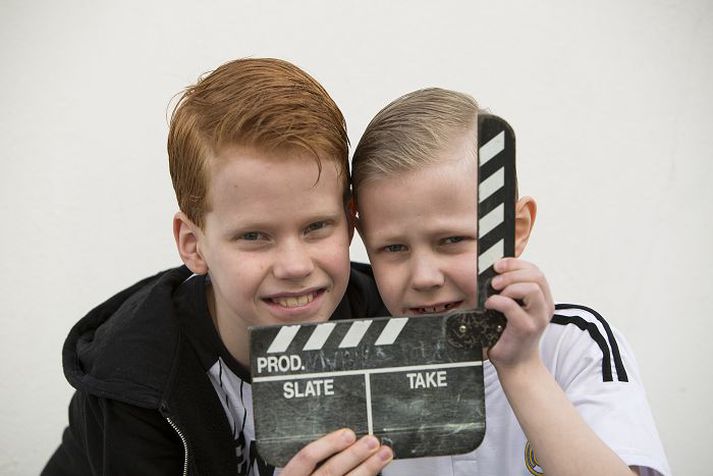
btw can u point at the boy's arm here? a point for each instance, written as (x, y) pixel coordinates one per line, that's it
(339, 453)
(563, 442)
(112, 438)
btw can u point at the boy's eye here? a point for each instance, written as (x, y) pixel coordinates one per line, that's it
(394, 248)
(251, 236)
(453, 239)
(317, 226)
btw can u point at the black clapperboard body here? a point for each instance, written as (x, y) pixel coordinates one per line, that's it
(414, 382)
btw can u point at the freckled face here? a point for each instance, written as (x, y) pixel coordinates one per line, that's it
(276, 240)
(419, 229)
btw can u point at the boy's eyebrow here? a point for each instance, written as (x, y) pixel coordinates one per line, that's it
(384, 234)
(263, 222)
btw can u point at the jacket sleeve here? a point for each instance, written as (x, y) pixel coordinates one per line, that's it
(106, 437)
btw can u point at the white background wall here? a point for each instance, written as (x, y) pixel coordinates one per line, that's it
(611, 102)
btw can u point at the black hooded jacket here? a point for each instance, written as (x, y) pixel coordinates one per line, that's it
(143, 402)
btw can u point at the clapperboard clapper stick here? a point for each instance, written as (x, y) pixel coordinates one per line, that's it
(414, 382)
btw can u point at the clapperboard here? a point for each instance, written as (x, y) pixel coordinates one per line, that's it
(414, 382)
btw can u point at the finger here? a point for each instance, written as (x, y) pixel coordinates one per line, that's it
(523, 276)
(535, 311)
(517, 271)
(532, 299)
(350, 458)
(511, 264)
(375, 463)
(511, 270)
(307, 459)
(520, 323)
(508, 306)
(528, 293)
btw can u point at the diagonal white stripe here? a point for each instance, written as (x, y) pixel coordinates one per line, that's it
(491, 220)
(492, 148)
(354, 334)
(391, 331)
(319, 336)
(491, 185)
(489, 257)
(283, 339)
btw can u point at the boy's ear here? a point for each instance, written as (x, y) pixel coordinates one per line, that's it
(525, 213)
(187, 236)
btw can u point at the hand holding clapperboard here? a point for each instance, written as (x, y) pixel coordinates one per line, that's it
(378, 376)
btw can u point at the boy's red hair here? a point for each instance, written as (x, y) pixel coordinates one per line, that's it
(265, 103)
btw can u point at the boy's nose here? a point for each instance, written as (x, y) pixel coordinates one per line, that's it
(427, 275)
(293, 261)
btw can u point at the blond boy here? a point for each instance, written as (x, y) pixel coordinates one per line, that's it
(258, 158)
(563, 394)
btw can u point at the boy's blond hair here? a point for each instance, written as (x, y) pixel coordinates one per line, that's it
(411, 132)
(265, 103)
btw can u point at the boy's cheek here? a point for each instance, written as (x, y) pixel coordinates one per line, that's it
(391, 290)
(469, 278)
(339, 246)
(335, 255)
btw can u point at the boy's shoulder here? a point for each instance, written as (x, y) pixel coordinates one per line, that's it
(123, 348)
(595, 365)
(578, 336)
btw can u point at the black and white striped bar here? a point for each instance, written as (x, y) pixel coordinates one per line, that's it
(497, 191)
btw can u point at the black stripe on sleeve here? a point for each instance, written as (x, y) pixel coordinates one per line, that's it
(618, 362)
(596, 335)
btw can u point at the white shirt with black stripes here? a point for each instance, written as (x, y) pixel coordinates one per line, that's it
(595, 366)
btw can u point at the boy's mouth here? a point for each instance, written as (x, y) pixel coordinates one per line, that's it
(293, 301)
(434, 309)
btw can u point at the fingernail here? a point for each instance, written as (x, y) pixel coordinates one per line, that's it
(348, 436)
(371, 442)
(385, 454)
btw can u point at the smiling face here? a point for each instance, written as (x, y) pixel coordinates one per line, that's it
(275, 242)
(419, 229)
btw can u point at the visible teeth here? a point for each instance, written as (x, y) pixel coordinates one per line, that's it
(434, 309)
(294, 301)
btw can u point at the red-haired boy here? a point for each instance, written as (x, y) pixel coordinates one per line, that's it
(258, 158)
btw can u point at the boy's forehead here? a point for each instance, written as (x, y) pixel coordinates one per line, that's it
(462, 146)
(276, 158)
(259, 188)
(447, 184)
(242, 171)
(455, 165)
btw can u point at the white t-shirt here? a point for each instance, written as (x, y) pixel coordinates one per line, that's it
(595, 366)
(591, 361)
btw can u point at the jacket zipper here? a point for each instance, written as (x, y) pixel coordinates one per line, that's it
(185, 444)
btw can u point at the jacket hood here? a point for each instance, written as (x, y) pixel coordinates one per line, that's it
(124, 348)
